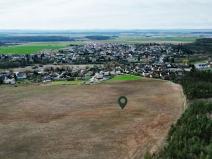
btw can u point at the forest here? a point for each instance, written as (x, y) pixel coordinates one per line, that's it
(197, 84)
(200, 46)
(191, 136)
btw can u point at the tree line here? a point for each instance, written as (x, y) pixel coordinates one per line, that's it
(197, 84)
(191, 136)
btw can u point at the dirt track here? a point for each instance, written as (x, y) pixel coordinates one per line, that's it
(85, 122)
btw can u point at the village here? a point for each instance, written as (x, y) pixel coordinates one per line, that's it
(97, 62)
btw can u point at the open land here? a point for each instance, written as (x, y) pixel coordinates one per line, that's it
(30, 48)
(36, 47)
(142, 40)
(125, 78)
(85, 121)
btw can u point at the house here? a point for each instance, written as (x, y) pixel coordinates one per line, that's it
(107, 73)
(2, 77)
(47, 79)
(210, 64)
(201, 66)
(145, 74)
(92, 80)
(112, 73)
(98, 76)
(118, 73)
(20, 75)
(9, 81)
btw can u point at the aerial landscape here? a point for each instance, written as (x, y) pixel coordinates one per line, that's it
(87, 80)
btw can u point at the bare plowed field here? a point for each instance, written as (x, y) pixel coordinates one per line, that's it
(85, 122)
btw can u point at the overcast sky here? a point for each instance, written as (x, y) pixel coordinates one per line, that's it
(105, 14)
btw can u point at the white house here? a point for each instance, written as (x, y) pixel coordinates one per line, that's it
(201, 66)
(9, 81)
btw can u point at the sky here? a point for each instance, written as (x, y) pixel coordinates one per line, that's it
(105, 14)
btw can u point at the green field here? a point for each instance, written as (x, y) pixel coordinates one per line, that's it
(125, 78)
(141, 40)
(76, 82)
(31, 48)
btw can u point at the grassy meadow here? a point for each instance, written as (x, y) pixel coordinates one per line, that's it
(76, 82)
(30, 48)
(126, 77)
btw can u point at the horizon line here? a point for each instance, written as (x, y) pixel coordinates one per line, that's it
(96, 30)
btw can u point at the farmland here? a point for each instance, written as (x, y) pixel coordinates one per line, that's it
(141, 40)
(29, 48)
(34, 47)
(76, 82)
(125, 78)
(85, 121)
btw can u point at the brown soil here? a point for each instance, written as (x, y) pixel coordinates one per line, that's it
(85, 122)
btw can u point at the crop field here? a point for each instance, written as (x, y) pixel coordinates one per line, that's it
(85, 121)
(141, 40)
(125, 78)
(76, 82)
(30, 48)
